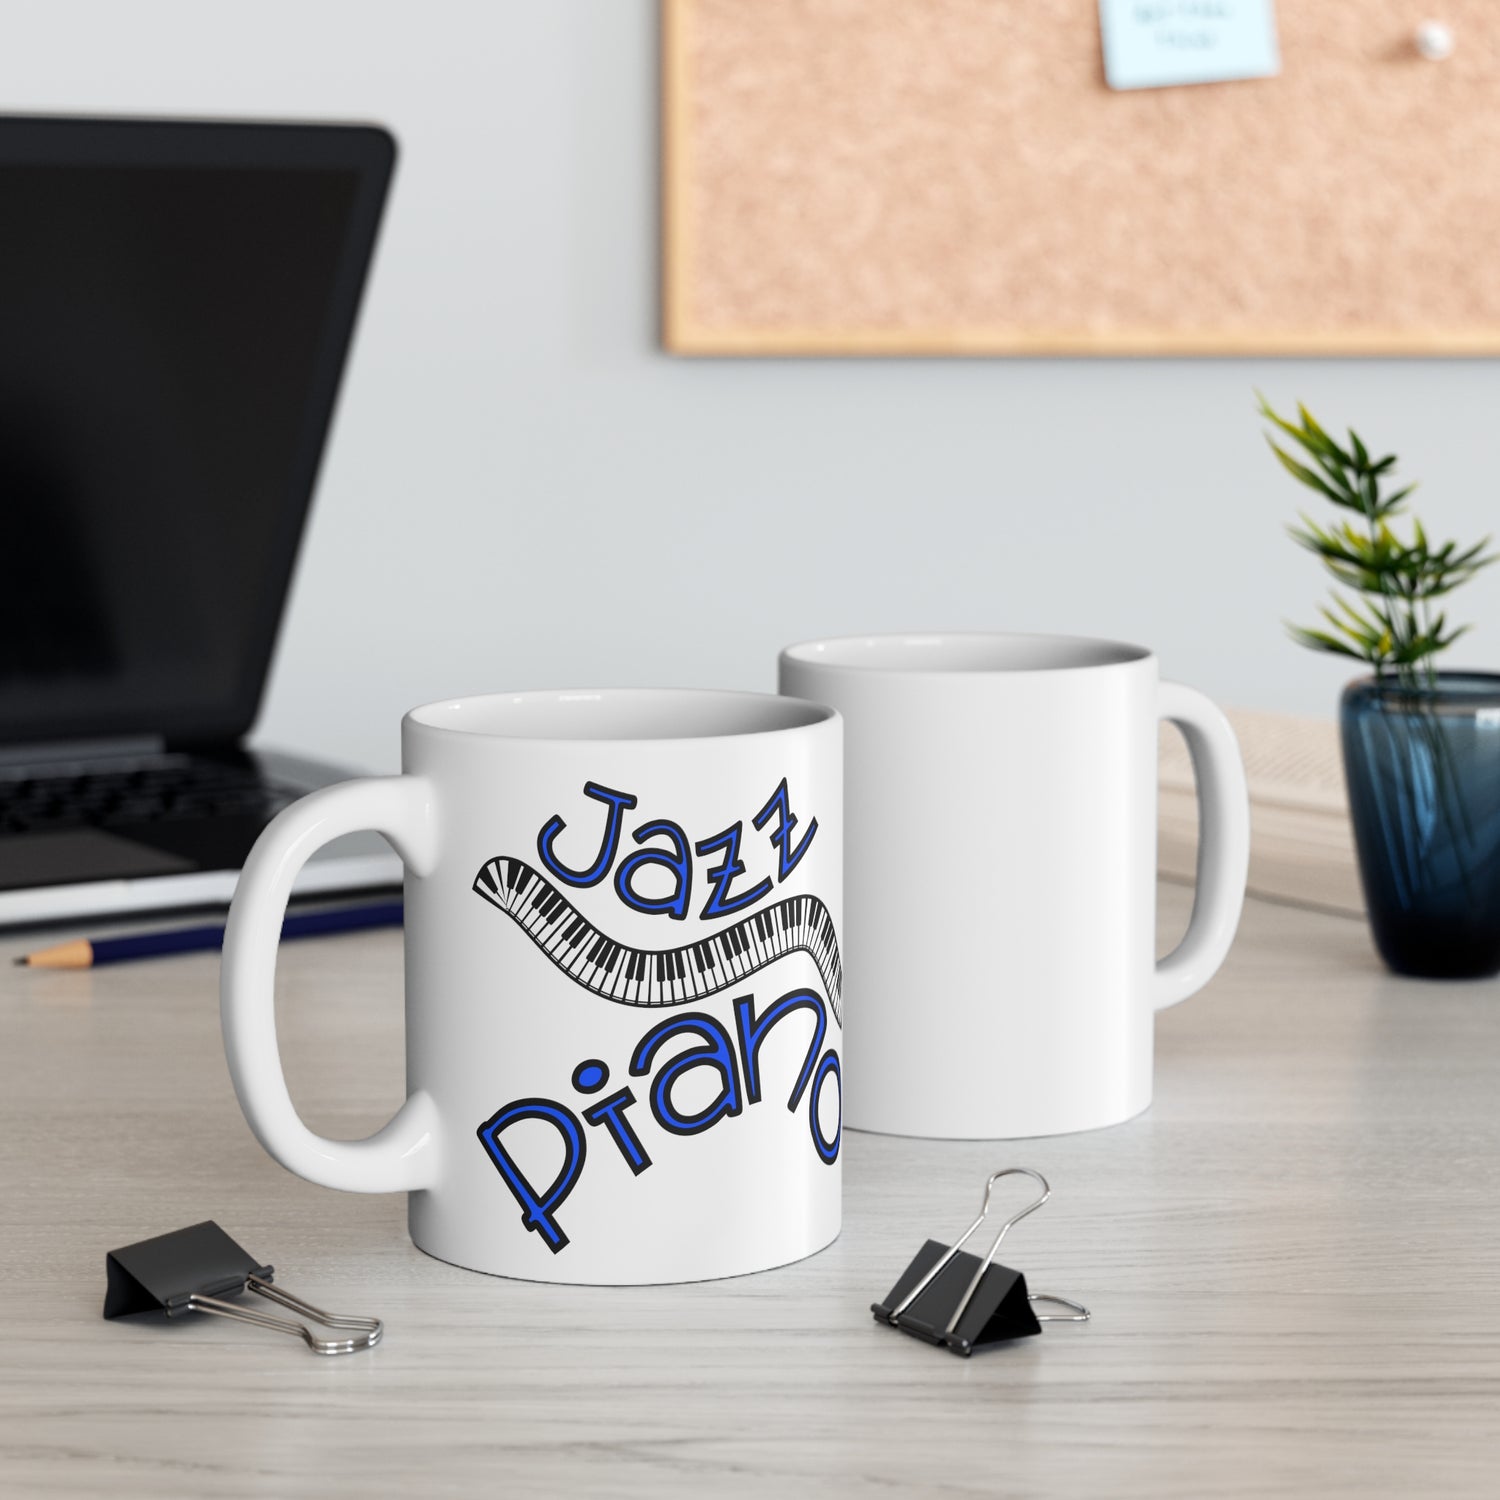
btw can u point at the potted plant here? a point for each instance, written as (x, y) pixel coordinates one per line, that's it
(1421, 746)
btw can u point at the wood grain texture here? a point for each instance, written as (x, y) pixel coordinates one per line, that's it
(1290, 1258)
(955, 177)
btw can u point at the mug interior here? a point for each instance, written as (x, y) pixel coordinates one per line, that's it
(620, 714)
(965, 652)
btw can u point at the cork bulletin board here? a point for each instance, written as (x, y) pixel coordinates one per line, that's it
(955, 177)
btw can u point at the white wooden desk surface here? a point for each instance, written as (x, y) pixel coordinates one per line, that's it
(1291, 1259)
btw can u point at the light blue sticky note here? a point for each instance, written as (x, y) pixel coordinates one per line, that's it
(1149, 44)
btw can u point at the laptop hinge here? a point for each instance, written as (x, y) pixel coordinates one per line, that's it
(70, 751)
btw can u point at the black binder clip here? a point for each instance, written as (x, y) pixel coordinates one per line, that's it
(947, 1296)
(195, 1269)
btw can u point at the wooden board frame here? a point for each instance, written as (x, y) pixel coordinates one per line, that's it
(683, 333)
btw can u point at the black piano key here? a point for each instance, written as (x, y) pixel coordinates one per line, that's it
(661, 965)
(597, 951)
(726, 944)
(575, 930)
(698, 956)
(679, 963)
(523, 878)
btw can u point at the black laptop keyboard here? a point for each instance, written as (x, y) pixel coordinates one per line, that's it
(172, 788)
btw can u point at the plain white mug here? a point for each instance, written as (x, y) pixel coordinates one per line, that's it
(1001, 799)
(623, 983)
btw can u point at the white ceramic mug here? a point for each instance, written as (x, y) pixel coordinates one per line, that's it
(1001, 796)
(623, 1008)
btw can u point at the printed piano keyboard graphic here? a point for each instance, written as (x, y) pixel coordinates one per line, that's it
(665, 976)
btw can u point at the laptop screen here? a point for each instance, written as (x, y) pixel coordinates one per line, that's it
(175, 305)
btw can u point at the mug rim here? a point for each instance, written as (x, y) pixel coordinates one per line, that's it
(906, 646)
(790, 714)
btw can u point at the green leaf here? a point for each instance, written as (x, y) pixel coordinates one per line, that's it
(1355, 628)
(1466, 559)
(1337, 476)
(1320, 439)
(1317, 640)
(1309, 436)
(1305, 475)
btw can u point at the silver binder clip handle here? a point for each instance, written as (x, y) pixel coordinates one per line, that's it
(370, 1329)
(958, 1244)
(1005, 1228)
(1080, 1313)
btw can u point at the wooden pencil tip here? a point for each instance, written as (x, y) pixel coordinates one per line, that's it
(79, 954)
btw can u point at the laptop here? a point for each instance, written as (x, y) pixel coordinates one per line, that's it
(176, 303)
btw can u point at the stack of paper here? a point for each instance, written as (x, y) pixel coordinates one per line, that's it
(1301, 844)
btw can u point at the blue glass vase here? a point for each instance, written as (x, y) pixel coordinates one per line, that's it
(1423, 767)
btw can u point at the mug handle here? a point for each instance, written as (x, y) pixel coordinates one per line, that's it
(404, 1155)
(1223, 844)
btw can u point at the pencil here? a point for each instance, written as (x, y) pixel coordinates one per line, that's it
(82, 953)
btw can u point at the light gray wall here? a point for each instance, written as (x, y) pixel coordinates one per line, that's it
(522, 490)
